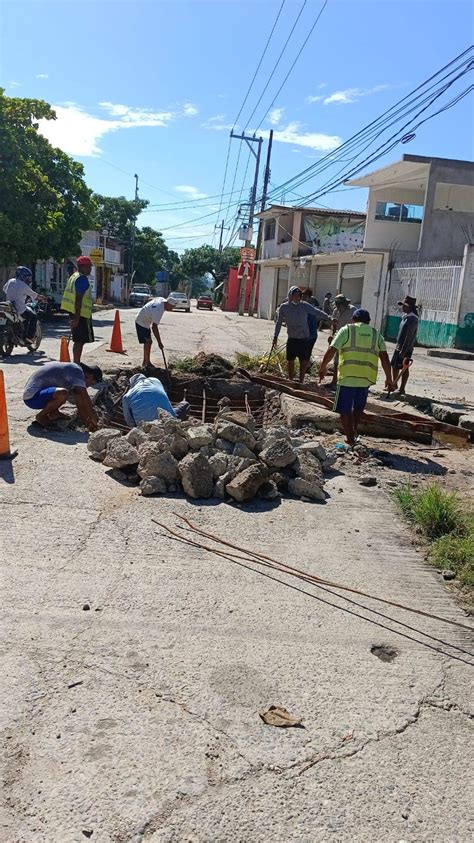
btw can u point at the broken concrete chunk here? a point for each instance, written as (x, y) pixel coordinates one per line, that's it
(200, 436)
(279, 454)
(218, 464)
(152, 486)
(467, 422)
(313, 447)
(268, 491)
(234, 433)
(281, 480)
(220, 486)
(247, 483)
(196, 476)
(136, 436)
(121, 453)
(157, 463)
(445, 413)
(241, 450)
(98, 441)
(367, 480)
(308, 467)
(238, 417)
(306, 489)
(223, 445)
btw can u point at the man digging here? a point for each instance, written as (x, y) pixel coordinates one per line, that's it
(51, 386)
(147, 320)
(295, 313)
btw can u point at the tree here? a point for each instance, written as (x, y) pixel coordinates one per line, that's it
(151, 254)
(44, 200)
(116, 214)
(196, 263)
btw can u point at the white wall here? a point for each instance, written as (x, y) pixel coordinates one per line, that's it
(382, 234)
(266, 294)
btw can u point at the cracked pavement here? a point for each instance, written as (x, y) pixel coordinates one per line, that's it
(138, 719)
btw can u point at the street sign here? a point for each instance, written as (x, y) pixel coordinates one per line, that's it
(96, 256)
(247, 253)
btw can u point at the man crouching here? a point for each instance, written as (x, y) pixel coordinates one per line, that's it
(51, 386)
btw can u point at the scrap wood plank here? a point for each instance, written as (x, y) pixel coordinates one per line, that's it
(391, 423)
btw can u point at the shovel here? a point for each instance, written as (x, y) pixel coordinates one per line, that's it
(406, 365)
(168, 376)
(264, 367)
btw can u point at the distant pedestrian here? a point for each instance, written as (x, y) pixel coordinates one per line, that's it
(77, 301)
(341, 316)
(147, 320)
(294, 313)
(360, 347)
(402, 356)
(50, 386)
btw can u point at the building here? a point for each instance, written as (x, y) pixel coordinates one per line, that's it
(312, 247)
(420, 213)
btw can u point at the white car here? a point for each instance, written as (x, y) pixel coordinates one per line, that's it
(182, 301)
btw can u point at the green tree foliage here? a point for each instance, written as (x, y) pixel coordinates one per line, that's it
(151, 255)
(196, 263)
(116, 214)
(44, 200)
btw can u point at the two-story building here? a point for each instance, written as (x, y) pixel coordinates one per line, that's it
(420, 212)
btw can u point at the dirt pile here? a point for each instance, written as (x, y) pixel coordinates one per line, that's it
(228, 459)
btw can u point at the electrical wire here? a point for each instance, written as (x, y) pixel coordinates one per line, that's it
(276, 64)
(294, 63)
(259, 64)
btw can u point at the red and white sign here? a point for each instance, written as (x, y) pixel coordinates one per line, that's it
(247, 253)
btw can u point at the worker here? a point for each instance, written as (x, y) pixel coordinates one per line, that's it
(402, 356)
(147, 320)
(328, 308)
(50, 387)
(307, 296)
(360, 347)
(77, 301)
(145, 398)
(295, 312)
(341, 316)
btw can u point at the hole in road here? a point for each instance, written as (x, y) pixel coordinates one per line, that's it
(384, 652)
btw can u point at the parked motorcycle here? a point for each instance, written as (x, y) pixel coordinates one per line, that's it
(12, 331)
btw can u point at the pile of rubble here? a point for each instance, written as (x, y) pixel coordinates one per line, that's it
(227, 459)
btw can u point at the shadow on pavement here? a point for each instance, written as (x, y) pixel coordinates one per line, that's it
(399, 462)
(63, 437)
(6, 471)
(37, 358)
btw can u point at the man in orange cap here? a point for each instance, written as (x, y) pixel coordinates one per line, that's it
(77, 301)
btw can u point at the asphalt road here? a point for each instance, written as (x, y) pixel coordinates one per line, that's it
(138, 719)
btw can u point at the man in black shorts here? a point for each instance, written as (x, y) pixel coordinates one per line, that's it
(405, 342)
(147, 320)
(77, 301)
(295, 313)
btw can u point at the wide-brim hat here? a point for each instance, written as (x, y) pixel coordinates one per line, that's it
(340, 298)
(408, 300)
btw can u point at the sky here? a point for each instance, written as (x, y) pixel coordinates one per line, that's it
(153, 87)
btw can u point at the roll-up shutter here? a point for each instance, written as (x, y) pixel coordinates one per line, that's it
(326, 280)
(352, 281)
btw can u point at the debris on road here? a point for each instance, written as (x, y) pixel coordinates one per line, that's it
(276, 715)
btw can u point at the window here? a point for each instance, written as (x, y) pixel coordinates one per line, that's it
(269, 230)
(398, 213)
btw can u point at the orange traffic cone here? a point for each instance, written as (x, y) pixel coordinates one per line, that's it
(116, 341)
(5, 453)
(64, 351)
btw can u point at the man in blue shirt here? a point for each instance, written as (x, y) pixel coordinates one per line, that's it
(144, 399)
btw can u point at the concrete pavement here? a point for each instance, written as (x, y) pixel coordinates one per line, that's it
(137, 719)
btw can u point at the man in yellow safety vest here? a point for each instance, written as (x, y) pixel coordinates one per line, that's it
(360, 348)
(77, 301)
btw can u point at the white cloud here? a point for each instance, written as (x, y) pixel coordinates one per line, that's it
(216, 124)
(190, 110)
(190, 191)
(274, 116)
(77, 132)
(352, 95)
(313, 140)
(42, 76)
(316, 98)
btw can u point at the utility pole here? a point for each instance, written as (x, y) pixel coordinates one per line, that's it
(222, 227)
(249, 139)
(134, 230)
(259, 249)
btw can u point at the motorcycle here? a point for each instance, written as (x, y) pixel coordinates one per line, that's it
(12, 331)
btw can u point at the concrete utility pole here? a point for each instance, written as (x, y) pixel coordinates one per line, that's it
(134, 230)
(222, 227)
(259, 249)
(249, 139)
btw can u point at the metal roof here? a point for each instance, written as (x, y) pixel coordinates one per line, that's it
(324, 212)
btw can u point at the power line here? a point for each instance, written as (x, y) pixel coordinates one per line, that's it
(294, 63)
(259, 63)
(276, 64)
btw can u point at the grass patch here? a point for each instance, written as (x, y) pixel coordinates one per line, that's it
(448, 527)
(437, 512)
(253, 362)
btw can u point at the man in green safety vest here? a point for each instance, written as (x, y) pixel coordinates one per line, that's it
(77, 301)
(360, 348)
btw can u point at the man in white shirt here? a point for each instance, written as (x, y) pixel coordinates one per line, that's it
(147, 320)
(17, 290)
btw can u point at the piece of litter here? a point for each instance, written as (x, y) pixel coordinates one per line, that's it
(74, 684)
(276, 715)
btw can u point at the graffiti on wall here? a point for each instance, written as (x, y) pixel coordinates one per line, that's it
(331, 234)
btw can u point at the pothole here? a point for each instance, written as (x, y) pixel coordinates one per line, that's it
(384, 652)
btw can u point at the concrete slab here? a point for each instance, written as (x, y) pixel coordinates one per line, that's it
(450, 353)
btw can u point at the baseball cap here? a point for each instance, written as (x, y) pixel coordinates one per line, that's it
(84, 260)
(361, 315)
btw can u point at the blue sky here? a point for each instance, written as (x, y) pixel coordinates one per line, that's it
(153, 87)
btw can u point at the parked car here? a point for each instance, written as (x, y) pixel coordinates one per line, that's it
(205, 302)
(139, 296)
(182, 301)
